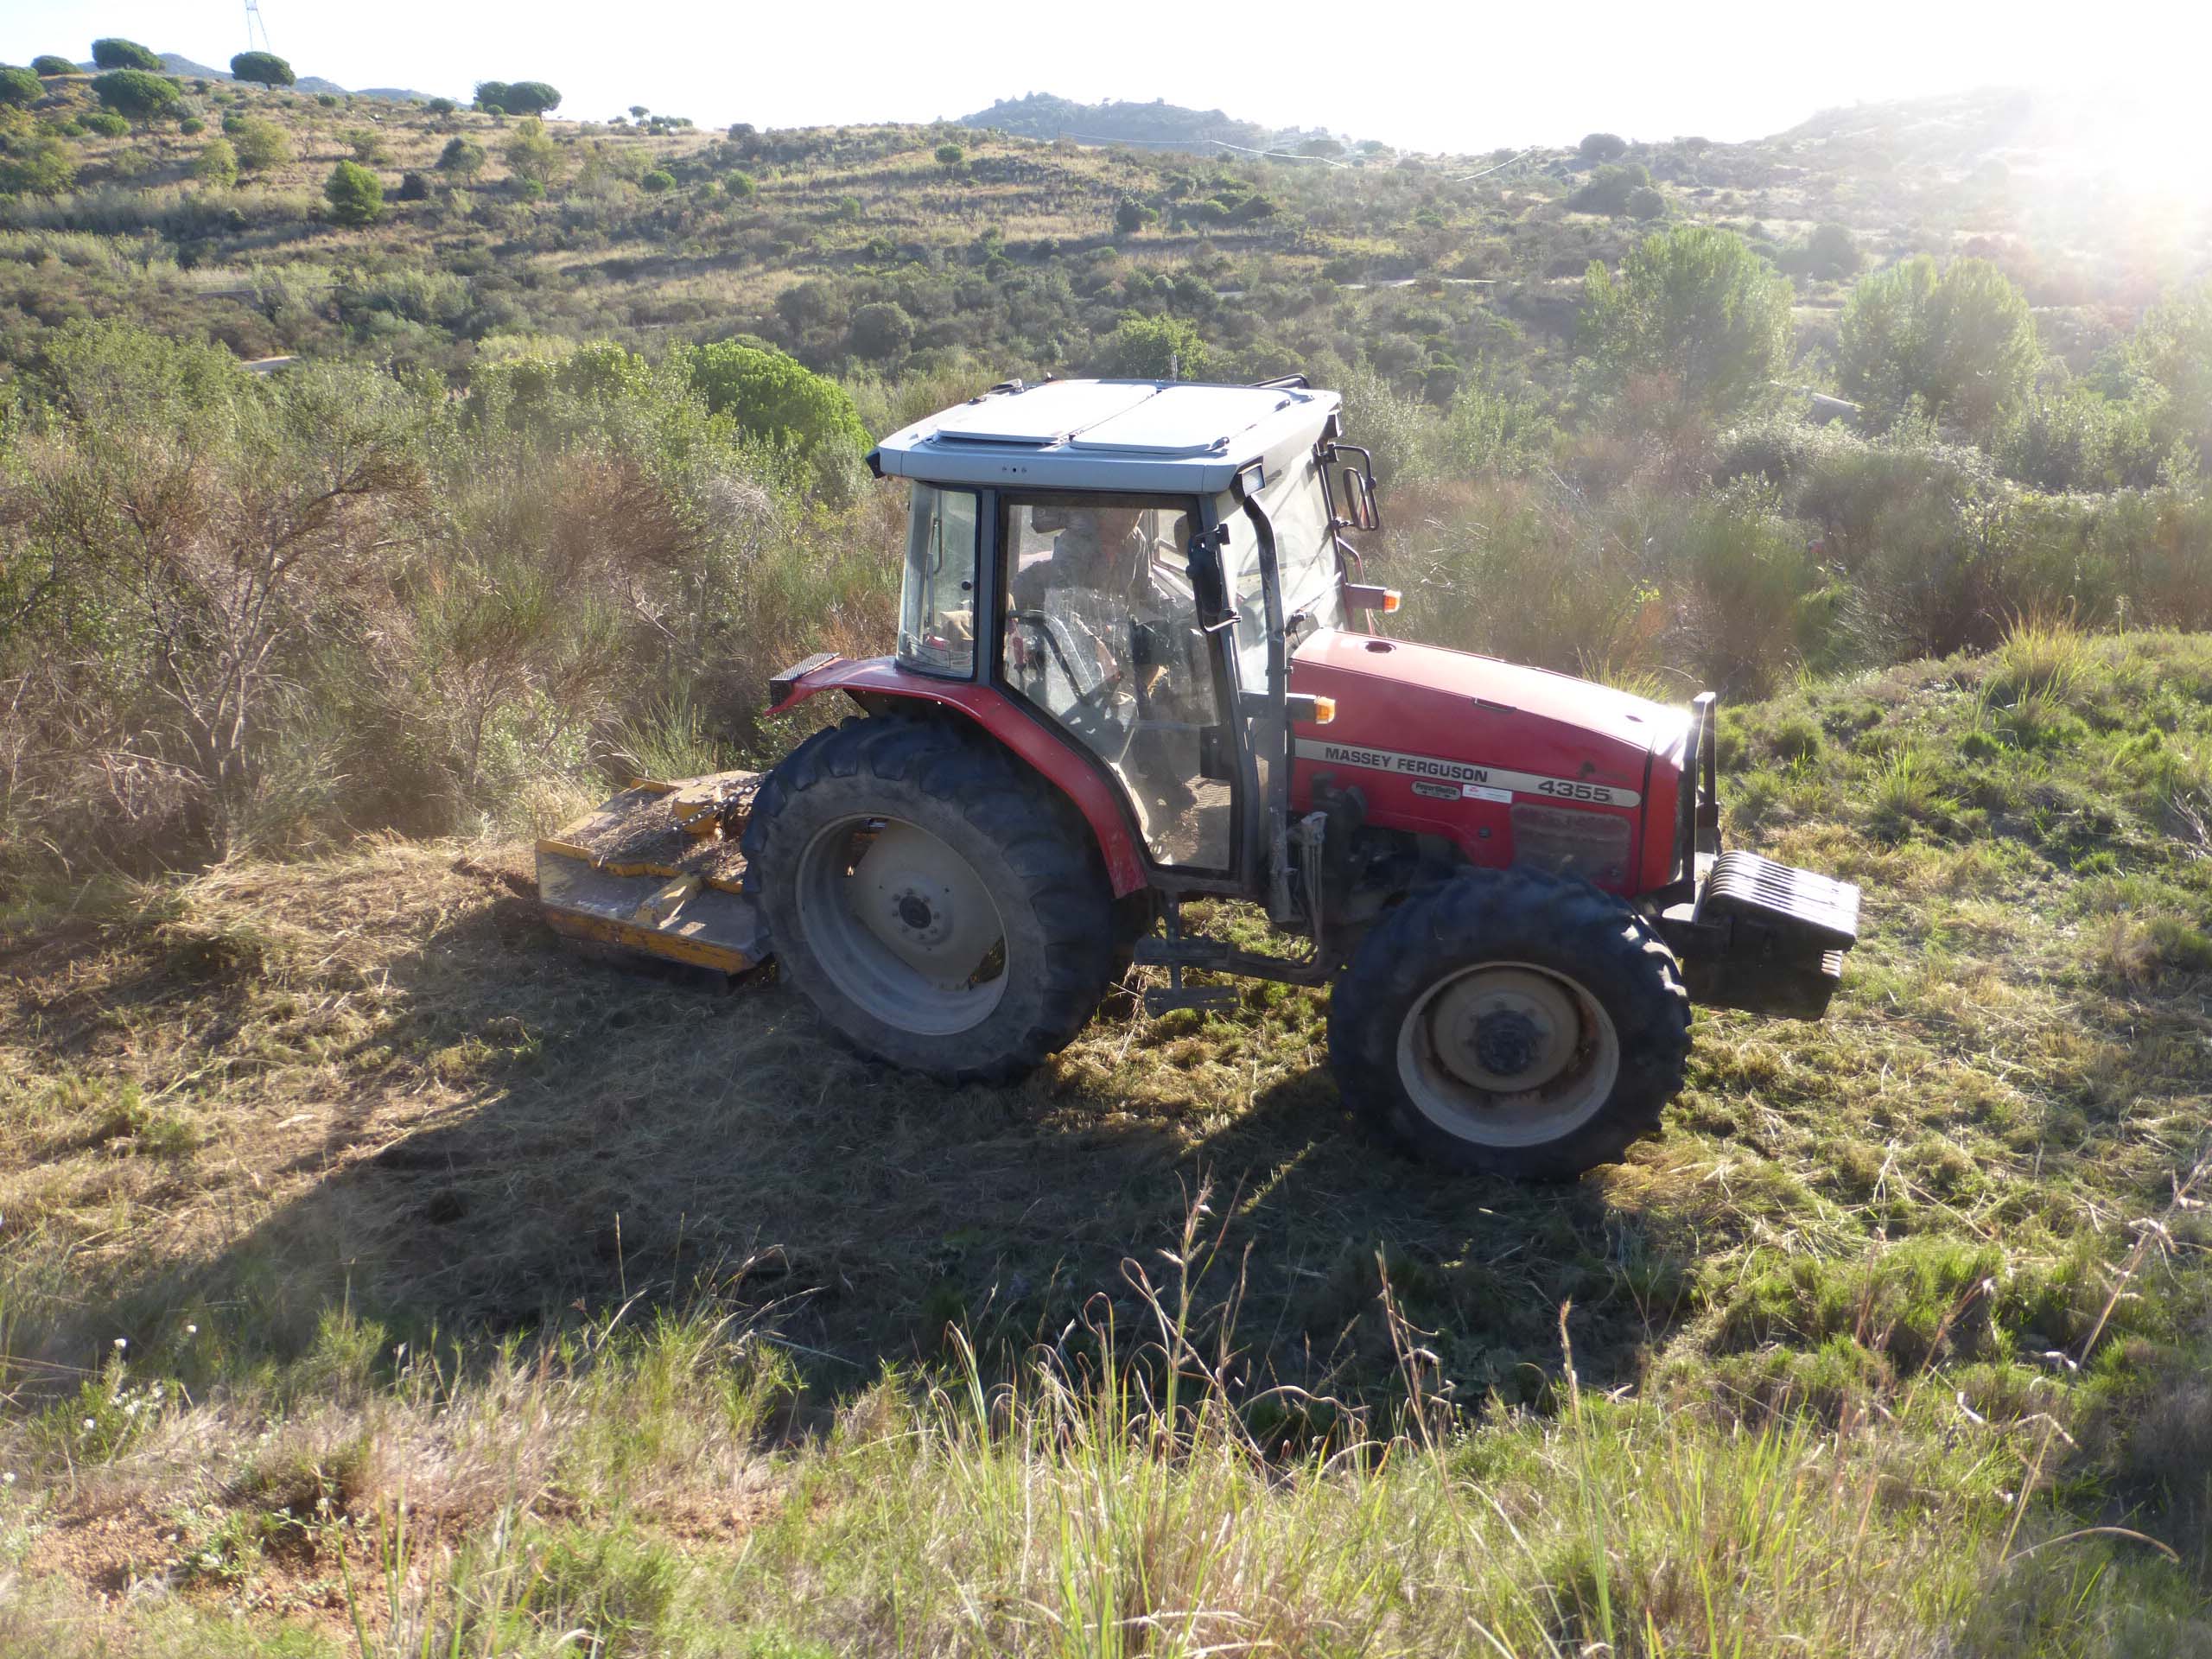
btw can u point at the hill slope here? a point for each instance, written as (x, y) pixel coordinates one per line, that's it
(1897, 1306)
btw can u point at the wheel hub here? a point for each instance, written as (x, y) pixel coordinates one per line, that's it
(1507, 1041)
(1504, 1031)
(925, 905)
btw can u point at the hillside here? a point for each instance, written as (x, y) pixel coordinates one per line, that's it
(427, 1284)
(1156, 125)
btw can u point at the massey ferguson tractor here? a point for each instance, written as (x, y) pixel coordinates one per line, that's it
(1138, 664)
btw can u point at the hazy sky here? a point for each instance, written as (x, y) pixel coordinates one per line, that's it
(1422, 76)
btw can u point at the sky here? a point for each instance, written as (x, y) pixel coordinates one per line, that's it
(1417, 75)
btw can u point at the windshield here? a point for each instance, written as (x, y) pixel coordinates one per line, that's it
(1297, 509)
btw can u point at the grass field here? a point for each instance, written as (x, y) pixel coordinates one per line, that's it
(377, 1278)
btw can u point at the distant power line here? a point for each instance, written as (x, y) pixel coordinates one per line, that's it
(1466, 178)
(254, 20)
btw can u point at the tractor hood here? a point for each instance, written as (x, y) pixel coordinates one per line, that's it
(1404, 688)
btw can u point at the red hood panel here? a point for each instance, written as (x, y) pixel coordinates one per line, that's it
(1599, 709)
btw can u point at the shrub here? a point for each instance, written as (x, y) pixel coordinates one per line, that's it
(1609, 189)
(1646, 203)
(50, 65)
(114, 54)
(1131, 216)
(107, 123)
(1154, 348)
(1960, 344)
(217, 164)
(655, 182)
(137, 93)
(1602, 146)
(19, 86)
(739, 185)
(2072, 438)
(2172, 349)
(262, 145)
(368, 147)
(951, 155)
(776, 396)
(441, 107)
(328, 100)
(462, 158)
(1696, 305)
(39, 166)
(530, 153)
(354, 195)
(413, 186)
(1831, 251)
(265, 67)
(191, 126)
(880, 331)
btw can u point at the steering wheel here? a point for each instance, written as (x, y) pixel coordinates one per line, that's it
(1097, 696)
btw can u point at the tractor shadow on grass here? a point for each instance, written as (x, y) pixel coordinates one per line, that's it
(594, 1137)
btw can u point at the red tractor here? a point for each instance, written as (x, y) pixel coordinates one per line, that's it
(1137, 664)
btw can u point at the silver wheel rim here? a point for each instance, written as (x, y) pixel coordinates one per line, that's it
(1507, 1054)
(903, 925)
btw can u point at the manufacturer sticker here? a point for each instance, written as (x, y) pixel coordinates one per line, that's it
(1494, 783)
(1437, 792)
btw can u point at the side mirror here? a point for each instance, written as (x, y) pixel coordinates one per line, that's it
(1359, 499)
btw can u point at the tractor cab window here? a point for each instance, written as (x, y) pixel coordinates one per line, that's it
(937, 603)
(1103, 637)
(1297, 509)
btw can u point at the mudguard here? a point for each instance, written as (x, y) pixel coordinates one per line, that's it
(873, 681)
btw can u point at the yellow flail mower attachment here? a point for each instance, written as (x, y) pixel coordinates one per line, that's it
(657, 869)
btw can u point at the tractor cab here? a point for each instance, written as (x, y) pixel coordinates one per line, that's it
(1137, 662)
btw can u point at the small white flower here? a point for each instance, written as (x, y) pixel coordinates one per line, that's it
(8, 1479)
(121, 1343)
(191, 1330)
(88, 1425)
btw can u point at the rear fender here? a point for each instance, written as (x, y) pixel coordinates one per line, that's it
(877, 682)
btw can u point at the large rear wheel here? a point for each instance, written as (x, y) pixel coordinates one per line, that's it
(938, 903)
(1512, 1022)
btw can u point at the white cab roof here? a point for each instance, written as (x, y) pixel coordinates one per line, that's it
(1110, 434)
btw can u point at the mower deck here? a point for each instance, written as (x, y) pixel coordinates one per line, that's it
(658, 869)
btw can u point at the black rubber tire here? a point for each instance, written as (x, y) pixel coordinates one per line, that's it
(1021, 836)
(1559, 924)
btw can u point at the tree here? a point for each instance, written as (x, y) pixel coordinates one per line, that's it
(950, 156)
(1131, 216)
(354, 195)
(137, 94)
(529, 98)
(114, 54)
(261, 145)
(638, 111)
(1154, 348)
(530, 153)
(50, 65)
(1609, 188)
(441, 107)
(462, 158)
(880, 331)
(39, 166)
(1646, 203)
(1831, 251)
(775, 397)
(19, 86)
(1961, 343)
(1694, 304)
(266, 68)
(2172, 350)
(217, 164)
(1602, 146)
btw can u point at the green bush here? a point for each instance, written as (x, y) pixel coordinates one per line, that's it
(217, 164)
(1646, 203)
(2172, 350)
(115, 53)
(1959, 344)
(265, 67)
(776, 398)
(192, 126)
(1154, 348)
(1697, 306)
(38, 166)
(2074, 438)
(136, 93)
(107, 123)
(354, 195)
(739, 185)
(462, 158)
(880, 331)
(531, 155)
(950, 156)
(50, 65)
(19, 86)
(1831, 251)
(655, 182)
(441, 107)
(1610, 189)
(1602, 146)
(262, 145)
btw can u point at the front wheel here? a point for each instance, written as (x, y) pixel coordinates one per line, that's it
(1514, 1023)
(939, 904)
